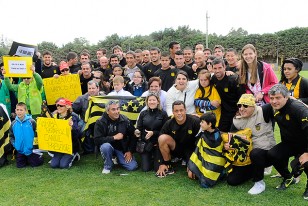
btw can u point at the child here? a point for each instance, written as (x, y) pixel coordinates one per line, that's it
(207, 161)
(118, 84)
(22, 133)
(206, 96)
(139, 83)
(117, 70)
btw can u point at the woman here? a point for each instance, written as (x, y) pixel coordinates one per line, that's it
(256, 77)
(296, 84)
(149, 125)
(139, 83)
(184, 90)
(64, 111)
(251, 116)
(207, 97)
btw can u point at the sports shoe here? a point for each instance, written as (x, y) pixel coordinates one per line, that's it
(105, 171)
(305, 194)
(286, 183)
(257, 188)
(268, 170)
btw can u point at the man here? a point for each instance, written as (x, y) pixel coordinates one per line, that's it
(104, 66)
(180, 64)
(219, 51)
(188, 56)
(80, 107)
(113, 60)
(146, 57)
(199, 64)
(173, 47)
(131, 66)
(207, 52)
(72, 61)
(119, 51)
(113, 134)
(84, 57)
(292, 118)
(85, 76)
(232, 59)
(178, 137)
(229, 92)
(139, 57)
(48, 69)
(199, 47)
(154, 65)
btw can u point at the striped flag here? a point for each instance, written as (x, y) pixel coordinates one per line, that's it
(129, 106)
(5, 145)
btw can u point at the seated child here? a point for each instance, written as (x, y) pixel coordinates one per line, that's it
(207, 161)
(118, 84)
(22, 133)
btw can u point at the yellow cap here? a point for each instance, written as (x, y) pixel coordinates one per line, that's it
(247, 99)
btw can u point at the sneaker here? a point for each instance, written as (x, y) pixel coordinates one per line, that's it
(105, 171)
(305, 194)
(286, 183)
(175, 160)
(268, 170)
(257, 188)
(115, 161)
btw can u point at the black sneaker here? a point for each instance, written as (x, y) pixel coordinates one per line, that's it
(169, 171)
(305, 194)
(286, 183)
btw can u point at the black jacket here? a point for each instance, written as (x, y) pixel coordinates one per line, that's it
(105, 128)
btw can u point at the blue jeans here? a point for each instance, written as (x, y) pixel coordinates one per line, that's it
(108, 151)
(61, 160)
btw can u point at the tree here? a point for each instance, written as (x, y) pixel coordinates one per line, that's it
(239, 32)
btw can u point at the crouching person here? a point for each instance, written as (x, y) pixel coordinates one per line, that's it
(207, 161)
(113, 134)
(22, 133)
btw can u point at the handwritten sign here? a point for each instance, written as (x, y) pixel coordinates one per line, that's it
(24, 51)
(21, 49)
(17, 66)
(67, 86)
(54, 135)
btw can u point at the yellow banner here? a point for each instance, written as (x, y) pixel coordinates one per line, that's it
(54, 135)
(17, 66)
(67, 86)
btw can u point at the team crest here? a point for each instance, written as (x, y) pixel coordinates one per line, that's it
(172, 74)
(173, 132)
(189, 132)
(258, 127)
(287, 117)
(226, 89)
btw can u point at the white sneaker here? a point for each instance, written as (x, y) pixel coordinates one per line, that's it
(105, 171)
(257, 188)
(268, 170)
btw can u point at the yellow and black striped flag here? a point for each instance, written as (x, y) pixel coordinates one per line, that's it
(130, 107)
(5, 145)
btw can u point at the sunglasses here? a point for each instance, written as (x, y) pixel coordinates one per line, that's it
(58, 105)
(208, 63)
(64, 70)
(27, 78)
(240, 105)
(96, 77)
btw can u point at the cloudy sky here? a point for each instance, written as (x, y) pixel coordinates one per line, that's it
(60, 21)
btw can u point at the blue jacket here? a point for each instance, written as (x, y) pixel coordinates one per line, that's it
(22, 134)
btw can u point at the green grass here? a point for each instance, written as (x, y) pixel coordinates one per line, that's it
(84, 184)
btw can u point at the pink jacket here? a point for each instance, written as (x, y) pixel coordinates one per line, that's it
(269, 80)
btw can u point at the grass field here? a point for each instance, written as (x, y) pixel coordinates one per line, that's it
(84, 184)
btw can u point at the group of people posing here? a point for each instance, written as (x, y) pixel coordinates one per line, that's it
(214, 113)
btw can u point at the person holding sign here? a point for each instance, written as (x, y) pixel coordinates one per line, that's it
(22, 135)
(64, 111)
(28, 91)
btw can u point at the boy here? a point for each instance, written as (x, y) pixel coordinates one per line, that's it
(22, 133)
(118, 85)
(207, 162)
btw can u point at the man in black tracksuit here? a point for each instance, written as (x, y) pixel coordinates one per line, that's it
(292, 118)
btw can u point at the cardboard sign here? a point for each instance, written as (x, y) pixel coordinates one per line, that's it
(20, 49)
(54, 135)
(67, 86)
(17, 66)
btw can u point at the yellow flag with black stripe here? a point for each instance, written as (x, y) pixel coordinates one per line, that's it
(5, 145)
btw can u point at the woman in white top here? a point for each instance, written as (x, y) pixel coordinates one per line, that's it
(184, 90)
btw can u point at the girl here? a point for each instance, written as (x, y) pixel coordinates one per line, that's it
(139, 83)
(207, 97)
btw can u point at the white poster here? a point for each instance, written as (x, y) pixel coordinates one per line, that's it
(17, 67)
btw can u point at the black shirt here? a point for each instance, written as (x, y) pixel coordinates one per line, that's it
(188, 70)
(149, 69)
(167, 77)
(84, 83)
(49, 71)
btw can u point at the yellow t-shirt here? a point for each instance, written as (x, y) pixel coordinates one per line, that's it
(214, 96)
